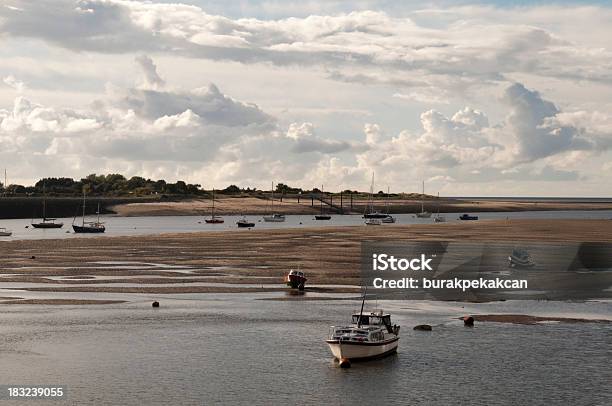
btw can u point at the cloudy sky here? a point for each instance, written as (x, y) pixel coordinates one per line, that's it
(475, 98)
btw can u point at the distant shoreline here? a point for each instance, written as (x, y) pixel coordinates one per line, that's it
(31, 207)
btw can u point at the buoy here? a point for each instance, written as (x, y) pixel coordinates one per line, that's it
(422, 327)
(468, 321)
(155, 304)
(345, 363)
(33, 257)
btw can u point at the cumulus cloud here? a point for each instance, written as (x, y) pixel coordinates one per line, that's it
(16, 84)
(473, 46)
(151, 80)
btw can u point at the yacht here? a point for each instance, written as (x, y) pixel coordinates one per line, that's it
(274, 217)
(467, 217)
(370, 213)
(322, 216)
(370, 335)
(89, 227)
(296, 279)
(46, 222)
(5, 232)
(214, 219)
(388, 220)
(423, 214)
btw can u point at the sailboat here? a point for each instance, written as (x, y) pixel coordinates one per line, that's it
(4, 232)
(322, 216)
(389, 219)
(46, 222)
(274, 217)
(89, 226)
(214, 219)
(370, 213)
(423, 214)
(438, 218)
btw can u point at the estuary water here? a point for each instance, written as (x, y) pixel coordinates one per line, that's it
(237, 349)
(126, 226)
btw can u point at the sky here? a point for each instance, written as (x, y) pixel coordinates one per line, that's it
(474, 98)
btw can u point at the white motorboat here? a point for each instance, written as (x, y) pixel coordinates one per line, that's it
(274, 218)
(5, 232)
(389, 219)
(373, 222)
(371, 335)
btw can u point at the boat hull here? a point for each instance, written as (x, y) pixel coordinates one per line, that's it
(213, 221)
(88, 230)
(274, 219)
(245, 225)
(295, 281)
(322, 217)
(5, 234)
(362, 350)
(374, 216)
(47, 225)
(424, 215)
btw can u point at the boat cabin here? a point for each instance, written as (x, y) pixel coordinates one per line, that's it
(296, 273)
(372, 319)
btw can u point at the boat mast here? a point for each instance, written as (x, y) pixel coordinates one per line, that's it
(362, 303)
(98, 213)
(321, 199)
(83, 208)
(212, 215)
(272, 197)
(372, 195)
(422, 196)
(44, 204)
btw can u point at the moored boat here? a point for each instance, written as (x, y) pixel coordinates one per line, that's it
(373, 222)
(467, 217)
(89, 227)
(274, 217)
(296, 279)
(46, 222)
(388, 220)
(520, 258)
(5, 232)
(423, 214)
(213, 219)
(244, 223)
(370, 335)
(322, 216)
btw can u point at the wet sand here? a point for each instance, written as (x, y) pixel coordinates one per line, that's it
(531, 320)
(249, 261)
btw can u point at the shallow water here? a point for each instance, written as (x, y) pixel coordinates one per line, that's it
(202, 349)
(125, 226)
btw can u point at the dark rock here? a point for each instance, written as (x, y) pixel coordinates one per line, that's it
(422, 327)
(468, 321)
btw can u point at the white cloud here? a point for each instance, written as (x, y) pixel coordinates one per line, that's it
(16, 84)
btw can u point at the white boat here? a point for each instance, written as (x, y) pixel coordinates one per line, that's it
(370, 213)
(371, 335)
(438, 218)
(389, 219)
(274, 217)
(373, 222)
(423, 214)
(5, 232)
(520, 258)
